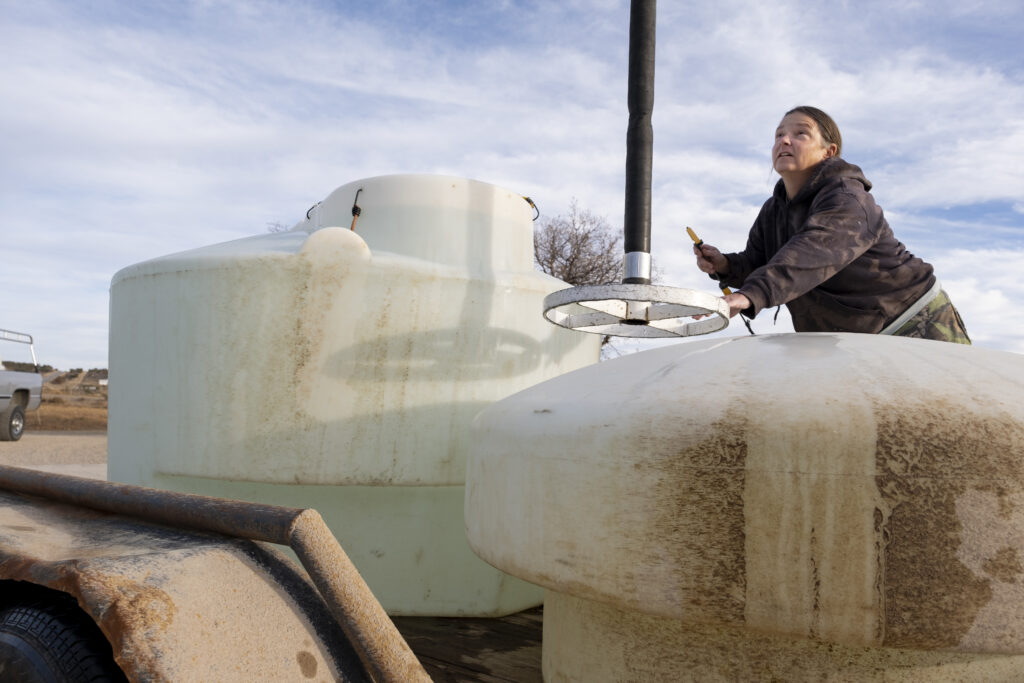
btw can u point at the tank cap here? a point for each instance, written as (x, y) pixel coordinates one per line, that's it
(631, 310)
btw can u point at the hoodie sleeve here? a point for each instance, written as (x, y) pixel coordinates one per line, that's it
(838, 229)
(742, 263)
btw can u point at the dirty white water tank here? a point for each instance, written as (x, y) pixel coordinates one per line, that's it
(785, 507)
(339, 370)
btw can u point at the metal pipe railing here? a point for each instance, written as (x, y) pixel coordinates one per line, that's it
(381, 648)
(21, 338)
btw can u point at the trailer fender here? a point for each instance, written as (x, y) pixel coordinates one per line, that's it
(174, 604)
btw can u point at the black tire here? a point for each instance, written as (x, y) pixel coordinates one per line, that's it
(13, 424)
(54, 642)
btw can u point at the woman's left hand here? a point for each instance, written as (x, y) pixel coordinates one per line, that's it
(737, 301)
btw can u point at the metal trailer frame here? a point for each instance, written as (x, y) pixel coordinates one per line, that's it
(381, 649)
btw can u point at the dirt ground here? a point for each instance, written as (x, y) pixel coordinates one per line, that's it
(82, 454)
(55, 448)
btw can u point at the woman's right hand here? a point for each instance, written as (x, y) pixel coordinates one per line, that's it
(710, 260)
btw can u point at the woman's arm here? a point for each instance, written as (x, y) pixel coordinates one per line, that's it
(839, 228)
(741, 263)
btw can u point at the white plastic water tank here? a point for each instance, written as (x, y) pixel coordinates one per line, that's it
(337, 369)
(784, 507)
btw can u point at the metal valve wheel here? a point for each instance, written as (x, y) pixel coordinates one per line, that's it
(632, 310)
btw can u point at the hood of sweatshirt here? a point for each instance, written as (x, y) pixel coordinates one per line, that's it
(828, 171)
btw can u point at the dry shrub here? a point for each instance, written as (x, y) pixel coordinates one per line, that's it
(53, 416)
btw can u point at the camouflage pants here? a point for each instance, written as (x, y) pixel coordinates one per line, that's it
(938, 320)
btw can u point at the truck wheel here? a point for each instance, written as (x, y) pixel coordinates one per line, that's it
(54, 642)
(13, 424)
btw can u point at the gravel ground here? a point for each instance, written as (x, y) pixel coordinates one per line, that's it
(82, 454)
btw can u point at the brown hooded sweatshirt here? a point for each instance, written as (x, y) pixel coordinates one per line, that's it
(829, 255)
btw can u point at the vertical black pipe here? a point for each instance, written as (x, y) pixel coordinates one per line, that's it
(639, 140)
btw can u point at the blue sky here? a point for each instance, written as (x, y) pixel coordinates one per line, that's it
(130, 130)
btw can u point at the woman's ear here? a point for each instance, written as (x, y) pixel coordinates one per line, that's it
(831, 150)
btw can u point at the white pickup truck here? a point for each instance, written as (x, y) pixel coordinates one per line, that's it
(19, 391)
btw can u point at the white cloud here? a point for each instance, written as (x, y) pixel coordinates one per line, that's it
(984, 286)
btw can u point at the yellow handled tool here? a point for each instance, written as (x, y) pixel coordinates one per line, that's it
(693, 236)
(697, 242)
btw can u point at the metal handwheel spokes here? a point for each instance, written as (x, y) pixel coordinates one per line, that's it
(632, 310)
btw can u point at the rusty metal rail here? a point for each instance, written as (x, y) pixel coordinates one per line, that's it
(381, 648)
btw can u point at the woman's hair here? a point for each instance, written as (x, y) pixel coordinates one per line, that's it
(826, 126)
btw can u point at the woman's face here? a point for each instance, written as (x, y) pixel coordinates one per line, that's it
(798, 145)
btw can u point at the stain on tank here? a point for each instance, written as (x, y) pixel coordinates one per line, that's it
(704, 484)
(307, 664)
(928, 456)
(1004, 566)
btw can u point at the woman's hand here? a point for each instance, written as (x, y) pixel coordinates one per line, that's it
(710, 260)
(737, 301)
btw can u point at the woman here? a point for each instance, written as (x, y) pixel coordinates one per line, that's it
(823, 247)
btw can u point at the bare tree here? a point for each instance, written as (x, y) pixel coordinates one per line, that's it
(579, 248)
